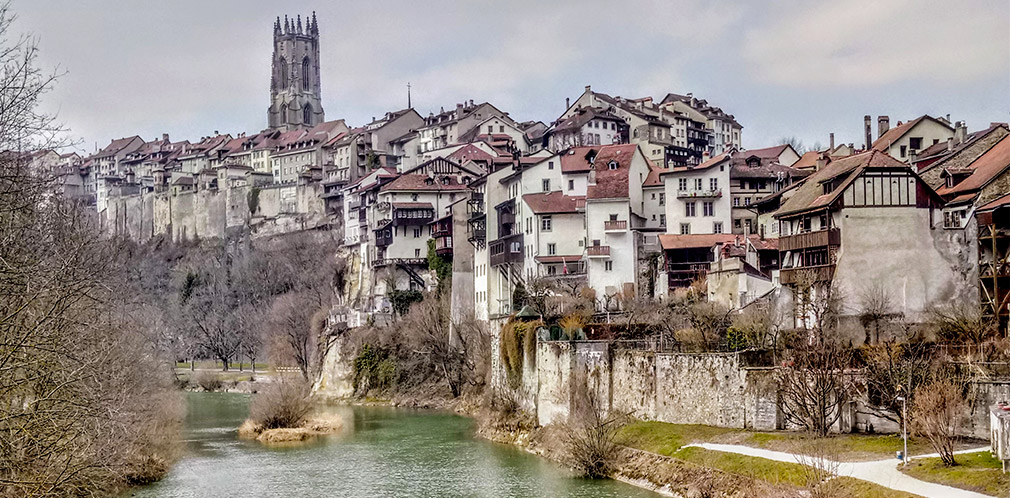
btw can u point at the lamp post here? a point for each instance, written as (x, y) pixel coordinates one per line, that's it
(904, 425)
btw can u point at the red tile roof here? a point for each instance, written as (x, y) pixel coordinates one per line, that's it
(765, 153)
(894, 134)
(575, 160)
(422, 182)
(612, 183)
(554, 203)
(673, 241)
(653, 180)
(984, 169)
(810, 195)
(715, 161)
(1002, 201)
(470, 152)
(809, 160)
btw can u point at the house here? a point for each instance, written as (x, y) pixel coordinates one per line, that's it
(446, 127)
(974, 184)
(555, 234)
(695, 199)
(648, 124)
(587, 126)
(906, 140)
(755, 175)
(867, 223)
(725, 130)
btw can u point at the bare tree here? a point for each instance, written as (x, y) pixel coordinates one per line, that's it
(814, 387)
(892, 370)
(875, 308)
(938, 412)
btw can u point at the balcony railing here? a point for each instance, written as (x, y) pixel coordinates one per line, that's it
(807, 274)
(598, 251)
(377, 263)
(615, 225)
(704, 193)
(820, 238)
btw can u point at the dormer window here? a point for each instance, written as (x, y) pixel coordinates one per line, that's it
(612, 165)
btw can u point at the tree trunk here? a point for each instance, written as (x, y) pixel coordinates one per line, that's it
(224, 363)
(192, 364)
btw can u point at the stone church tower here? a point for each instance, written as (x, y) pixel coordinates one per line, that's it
(294, 82)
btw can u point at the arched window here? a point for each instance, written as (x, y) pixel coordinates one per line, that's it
(307, 114)
(284, 73)
(305, 74)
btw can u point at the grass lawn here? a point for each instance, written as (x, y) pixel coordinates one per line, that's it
(850, 486)
(664, 438)
(975, 471)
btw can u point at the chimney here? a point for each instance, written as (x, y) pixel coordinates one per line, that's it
(960, 131)
(471, 102)
(950, 144)
(164, 137)
(588, 88)
(459, 111)
(567, 103)
(868, 130)
(831, 140)
(822, 161)
(883, 124)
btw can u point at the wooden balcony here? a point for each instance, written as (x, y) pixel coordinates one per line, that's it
(508, 249)
(820, 238)
(699, 194)
(598, 251)
(806, 274)
(615, 225)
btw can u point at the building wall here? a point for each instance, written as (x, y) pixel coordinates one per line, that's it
(700, 224)
(928, 130)
(623, 256)
(654, 206)
(896, 249)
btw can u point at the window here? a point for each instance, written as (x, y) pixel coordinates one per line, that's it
(904, 151)
(662, 220)
(662, 198)
(612, 165)
(747, 223)
(613, 217)
(682, 184)
(915, 143)
(552, 270)
(417, 233)
(490, 129)
(717, 227)
(608, 265)
(550, 164)
(713, 184)
(685, 228)
(746, 201)
(689, 209)
(736, 223)
(571, 184)
(413, 197)
(708, 208)
(552, 249)
(545, 224)
(417, 253)
(501, 129)
(697, 183)
(736, 201)
(546, 184)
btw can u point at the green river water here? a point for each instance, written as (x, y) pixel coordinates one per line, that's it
(384, 452)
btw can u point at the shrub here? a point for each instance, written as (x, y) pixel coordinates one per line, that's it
(208, 381)
(938, 409)
(281, 404)
(373, 368)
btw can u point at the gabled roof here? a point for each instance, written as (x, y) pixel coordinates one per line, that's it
(115, 146)
(554, 203)
(653, 180)
(415, 182)
(583, 116)
(809, 159)
(694, 241)
(612, 183)
(766, 153)
(810, 195)
(470, 152)
(894, 134)
(983, 169)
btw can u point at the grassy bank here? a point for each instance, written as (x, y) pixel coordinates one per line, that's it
(975, 472)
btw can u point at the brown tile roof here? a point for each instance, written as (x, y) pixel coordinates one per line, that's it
(984, 169)
(575, 160)
(612, 183)
(894, 134)
(672, 241)
(115, 146)
(422, 182)
(809, 160)
(765, 153)
(653, 180)
(1002, 201)
(470, 152)
(554, 203)
(810, 195)
(583, 116)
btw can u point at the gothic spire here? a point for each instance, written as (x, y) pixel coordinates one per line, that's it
(299, 24)
(277, 26)
(315, 24)
(287, 26)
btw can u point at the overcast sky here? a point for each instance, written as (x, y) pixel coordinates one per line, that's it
(790, 68)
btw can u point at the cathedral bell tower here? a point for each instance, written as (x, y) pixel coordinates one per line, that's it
(294, 82)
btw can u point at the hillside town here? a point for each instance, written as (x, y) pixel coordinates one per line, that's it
(589, 199)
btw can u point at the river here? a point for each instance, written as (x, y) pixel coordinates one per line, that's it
(384, 452)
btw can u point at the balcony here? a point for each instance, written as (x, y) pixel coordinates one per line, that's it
(383, 206)
(598, 251)
(413, 217)
(383, 237)
(379, 263)
(806, 274)
(820, 238)
(508, 249)
(700, 194)
(615, 226)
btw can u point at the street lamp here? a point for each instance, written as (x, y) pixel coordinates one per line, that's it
(904, 424)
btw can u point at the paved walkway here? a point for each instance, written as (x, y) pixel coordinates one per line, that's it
(882, 472)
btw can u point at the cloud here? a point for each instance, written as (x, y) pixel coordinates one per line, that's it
(868, 42)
